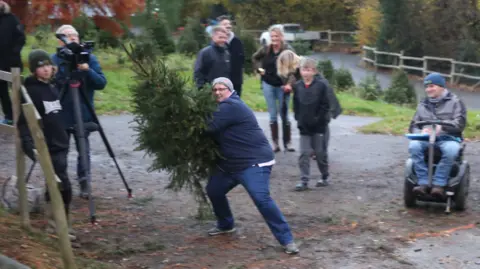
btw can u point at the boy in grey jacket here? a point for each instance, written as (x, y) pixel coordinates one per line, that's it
(312, 113)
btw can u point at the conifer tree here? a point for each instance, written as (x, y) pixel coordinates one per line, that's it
(170, 116)
(401, 90)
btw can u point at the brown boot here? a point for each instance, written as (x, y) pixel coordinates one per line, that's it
(437, 191)
(287, 136)
(274, 130)
(422, 189)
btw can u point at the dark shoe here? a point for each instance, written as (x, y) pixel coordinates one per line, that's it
(84, 189)
(437, 191)
(218, 231)
(287, 136)
(422, 189)
(322, 183)
(302, 186)
(274, 131)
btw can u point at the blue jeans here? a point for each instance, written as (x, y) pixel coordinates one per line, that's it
(273, 95)
(256, 181)
(83, 173)
(450, 150)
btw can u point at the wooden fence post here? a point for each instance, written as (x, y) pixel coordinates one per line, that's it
(452, 72)
(374, 51)
(20, 156)
(329, 32)
(400, 64)
(425, 66)
(55, 196)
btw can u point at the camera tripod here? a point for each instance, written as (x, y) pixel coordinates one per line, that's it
(76, 88)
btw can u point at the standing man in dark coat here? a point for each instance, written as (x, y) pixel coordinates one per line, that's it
(237, 54)
(11, 43)
(213, 61)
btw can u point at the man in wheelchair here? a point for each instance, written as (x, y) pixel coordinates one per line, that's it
(440, 104)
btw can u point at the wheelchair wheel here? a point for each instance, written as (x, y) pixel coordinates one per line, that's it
(409, 197)
(461, 193)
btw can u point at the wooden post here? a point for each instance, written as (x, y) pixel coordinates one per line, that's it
(401, 59)
(55, 197)
(425, 66)
(20, 156)
(374, 51)
(452, 72)
(329, 32)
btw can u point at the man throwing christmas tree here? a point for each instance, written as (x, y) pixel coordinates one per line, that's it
(247, 159)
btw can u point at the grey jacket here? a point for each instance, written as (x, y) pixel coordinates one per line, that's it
(450, 109)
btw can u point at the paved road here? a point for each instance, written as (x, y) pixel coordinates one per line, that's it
(472, 100)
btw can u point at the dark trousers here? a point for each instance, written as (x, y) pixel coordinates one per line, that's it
(238, 89)
(60, 165)
(83, 173)
(312, 144)
(326, 138)
(5, 100)
(256, 180)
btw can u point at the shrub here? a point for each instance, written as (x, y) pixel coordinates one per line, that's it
(369, 88)
(343, 79)
(193, 37)
(143, 47)
(106, 39)
(326, 68)
(301, 47)
(86, 28)
(157, 29)
(400, 91)
(42, 34)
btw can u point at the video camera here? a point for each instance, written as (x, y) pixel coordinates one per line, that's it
(73, 53)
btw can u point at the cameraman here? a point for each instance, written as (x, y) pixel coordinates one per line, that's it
(92, 78)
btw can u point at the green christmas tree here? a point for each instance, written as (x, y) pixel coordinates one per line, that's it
(158, 29)
(401, 91)
(327, 69)
(170, 116)
(193, 38)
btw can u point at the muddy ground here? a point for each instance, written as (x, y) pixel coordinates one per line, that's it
(359, 221)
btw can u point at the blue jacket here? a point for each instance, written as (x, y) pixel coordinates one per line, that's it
(212, 62)
(94, 79)
(241, 140)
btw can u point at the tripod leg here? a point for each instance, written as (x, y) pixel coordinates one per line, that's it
(105, 140)
(80, 133)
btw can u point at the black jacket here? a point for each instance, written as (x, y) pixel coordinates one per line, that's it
(237, 60)
(335, 107)
(45, 98)
(266, 58)
(311, 106)
(212, 62)
(11, 42)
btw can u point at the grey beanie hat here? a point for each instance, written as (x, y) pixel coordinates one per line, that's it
(224, 81)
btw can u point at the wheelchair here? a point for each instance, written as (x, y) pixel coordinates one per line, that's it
(458, 182)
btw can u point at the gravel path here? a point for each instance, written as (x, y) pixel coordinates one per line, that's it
(357, 222)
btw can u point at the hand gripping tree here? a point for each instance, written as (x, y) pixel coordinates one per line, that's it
(170, 116)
